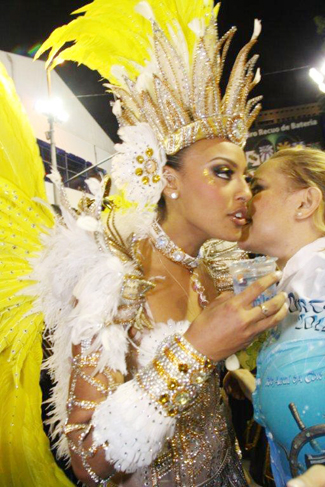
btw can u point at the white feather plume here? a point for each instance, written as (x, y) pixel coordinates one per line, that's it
(197, 26)
(257, 28)
(137, 139)
(78, 288)
(144, 9)
(133, 426)
(89, 224)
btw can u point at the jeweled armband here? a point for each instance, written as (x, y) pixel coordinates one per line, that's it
(176, 375)
(80, 362)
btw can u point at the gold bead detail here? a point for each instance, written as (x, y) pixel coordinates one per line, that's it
(172, 384)
(183, 368)
(164, 398)
(156, 178)
(140, 159)
(145, 180)
(172, 412)
(139, 171)
(149, 152)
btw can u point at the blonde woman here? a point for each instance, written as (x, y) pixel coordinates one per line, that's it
(287, 221)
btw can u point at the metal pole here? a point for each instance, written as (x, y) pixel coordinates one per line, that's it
(54, 163)
(89, 168)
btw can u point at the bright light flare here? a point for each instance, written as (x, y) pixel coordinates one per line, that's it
(52, 107)
(316, 76)
(321, 86)
(323, 68)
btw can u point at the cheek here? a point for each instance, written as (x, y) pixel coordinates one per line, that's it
(203, 194)
(267, 217)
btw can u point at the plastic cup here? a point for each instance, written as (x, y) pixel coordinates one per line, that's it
(245, 272)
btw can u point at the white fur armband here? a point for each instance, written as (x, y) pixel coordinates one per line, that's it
(133, 426)
(135, 420)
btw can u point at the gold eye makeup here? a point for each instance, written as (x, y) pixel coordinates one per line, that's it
(209, 177)
(218, 171)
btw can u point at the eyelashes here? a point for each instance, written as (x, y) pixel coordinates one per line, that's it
(222, 172)
(256, 188)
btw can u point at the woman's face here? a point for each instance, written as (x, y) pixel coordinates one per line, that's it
(271, 212)
(212, 190)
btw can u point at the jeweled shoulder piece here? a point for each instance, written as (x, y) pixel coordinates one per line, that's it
(164, 63)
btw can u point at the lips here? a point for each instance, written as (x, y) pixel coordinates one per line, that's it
(239, 217)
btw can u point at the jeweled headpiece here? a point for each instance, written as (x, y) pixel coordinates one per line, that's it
(164, 61)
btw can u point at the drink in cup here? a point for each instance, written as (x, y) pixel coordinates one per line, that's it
(245, 272)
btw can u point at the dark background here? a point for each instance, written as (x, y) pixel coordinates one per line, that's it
(289, 41)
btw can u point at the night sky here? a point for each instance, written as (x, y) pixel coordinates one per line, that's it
(289, 40)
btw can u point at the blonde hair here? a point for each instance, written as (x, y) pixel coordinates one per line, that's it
(305, 168)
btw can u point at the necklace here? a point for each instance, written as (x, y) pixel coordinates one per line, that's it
(166, 246)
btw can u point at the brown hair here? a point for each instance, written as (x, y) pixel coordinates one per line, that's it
(305, 168)
(176, 162)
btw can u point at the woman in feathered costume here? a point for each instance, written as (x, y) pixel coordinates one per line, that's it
(138, 336)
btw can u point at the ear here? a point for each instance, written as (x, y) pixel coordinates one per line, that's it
(309, 201)
(172, 181)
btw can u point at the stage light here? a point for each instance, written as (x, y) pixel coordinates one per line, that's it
(316, 75)
(52, 108)
(321, 86)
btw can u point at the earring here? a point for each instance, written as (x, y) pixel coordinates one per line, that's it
(299, 213)
(174, 196)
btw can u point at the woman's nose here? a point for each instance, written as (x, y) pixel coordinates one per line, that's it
(244, 192)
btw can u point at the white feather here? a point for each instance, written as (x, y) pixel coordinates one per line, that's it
(257, 29)
(136, 220)
(232, 363)
(55, 177)
(136, 140)
(257, 77)
(117, 108)
(89, 223)
(94, 186)
(145, 83)
(133, 426)
(197, 26)
(78, 289)
(119, 72)
(144, 9)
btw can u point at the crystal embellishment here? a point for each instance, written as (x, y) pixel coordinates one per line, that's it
(166, 246)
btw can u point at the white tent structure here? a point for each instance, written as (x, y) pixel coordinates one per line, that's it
(80, 135)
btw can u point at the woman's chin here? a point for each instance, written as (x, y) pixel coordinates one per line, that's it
(242, 244)
(245, 241)
(250, 246)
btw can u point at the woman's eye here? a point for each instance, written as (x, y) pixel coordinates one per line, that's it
(223, 172)
(256, 188)
(248, 178)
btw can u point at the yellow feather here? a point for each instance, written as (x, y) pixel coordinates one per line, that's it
(112, 32)
(20, 162)
(25, 458)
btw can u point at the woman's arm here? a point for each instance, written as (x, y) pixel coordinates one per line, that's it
(87, 390)
(130, 421)
(122, 426)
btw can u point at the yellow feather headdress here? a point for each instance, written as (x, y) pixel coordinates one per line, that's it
(164, 61)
